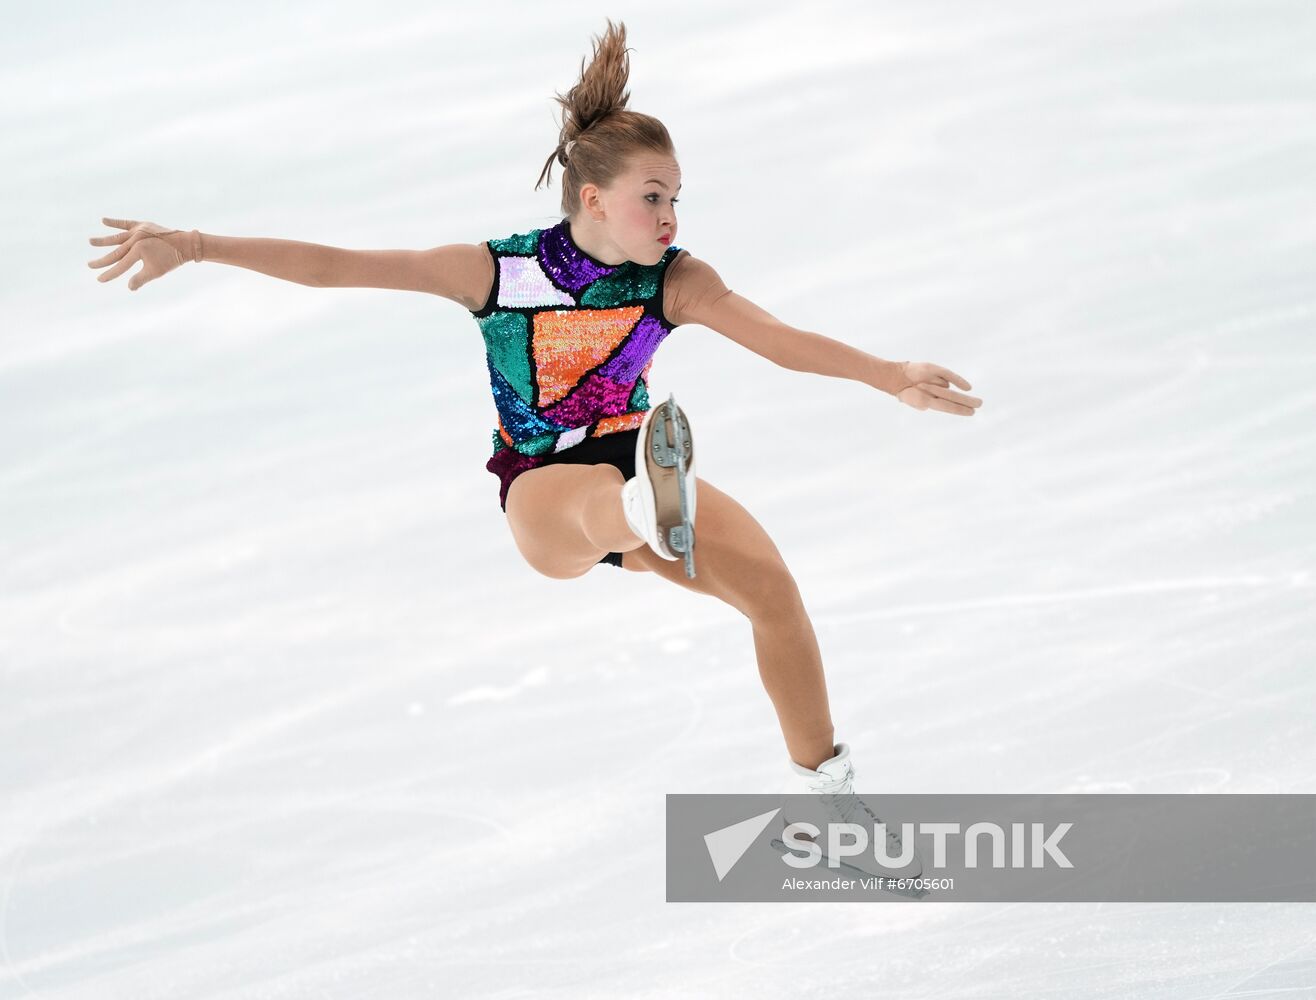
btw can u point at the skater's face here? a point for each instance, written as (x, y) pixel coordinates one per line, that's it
(627, 219)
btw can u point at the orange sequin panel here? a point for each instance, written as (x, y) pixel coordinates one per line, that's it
(569, 343)
(624, 422)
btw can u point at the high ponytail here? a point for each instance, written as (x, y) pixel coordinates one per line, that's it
(598, 133)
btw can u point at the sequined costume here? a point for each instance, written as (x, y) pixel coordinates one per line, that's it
(569, 342)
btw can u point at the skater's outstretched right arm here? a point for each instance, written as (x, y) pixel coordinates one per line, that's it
(458, 271)
(696, 294)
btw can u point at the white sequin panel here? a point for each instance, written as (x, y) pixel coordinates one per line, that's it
(567, 438)
(522, 283)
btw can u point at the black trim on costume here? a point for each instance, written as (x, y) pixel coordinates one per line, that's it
(487, 308)
(662, 288)
(532, 364)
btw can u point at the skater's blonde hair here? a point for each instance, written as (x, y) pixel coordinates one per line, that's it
(598, 133)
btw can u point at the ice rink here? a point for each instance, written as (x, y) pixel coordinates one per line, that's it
(283, 712)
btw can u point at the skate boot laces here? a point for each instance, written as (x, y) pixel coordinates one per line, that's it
(839, 794)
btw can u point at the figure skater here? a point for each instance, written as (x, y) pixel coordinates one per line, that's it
(571, 316)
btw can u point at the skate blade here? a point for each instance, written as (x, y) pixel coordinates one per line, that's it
(668, 455)
(853, 872)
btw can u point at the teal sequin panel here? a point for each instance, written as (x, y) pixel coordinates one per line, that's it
(625, 285)
(507, 344)
(640, 397)
(524, 243)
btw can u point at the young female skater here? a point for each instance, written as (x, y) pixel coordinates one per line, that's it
(571, 316)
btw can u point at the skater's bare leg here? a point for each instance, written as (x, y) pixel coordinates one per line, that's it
(736, 561)
(601, 517)
(565, 517)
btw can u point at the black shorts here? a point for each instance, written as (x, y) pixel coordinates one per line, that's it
(617, 449)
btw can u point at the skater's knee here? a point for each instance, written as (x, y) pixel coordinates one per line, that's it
(743, 565)
(557, 567)
(550, 552)
(543, 513)
(763, 589)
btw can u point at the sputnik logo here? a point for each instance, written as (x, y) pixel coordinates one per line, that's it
(729, 844)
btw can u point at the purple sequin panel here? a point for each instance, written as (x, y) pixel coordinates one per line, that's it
(570, 268)
(636, 352)
(595, 397)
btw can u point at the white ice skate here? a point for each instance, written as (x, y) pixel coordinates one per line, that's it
(659, 501)
(832, 800)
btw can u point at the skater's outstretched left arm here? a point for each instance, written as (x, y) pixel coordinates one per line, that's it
(462, 272)
(700, 296)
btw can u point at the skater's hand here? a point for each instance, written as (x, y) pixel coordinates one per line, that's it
(159, 249)
(930, 390)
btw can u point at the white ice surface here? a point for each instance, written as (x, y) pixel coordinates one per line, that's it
(284, 714)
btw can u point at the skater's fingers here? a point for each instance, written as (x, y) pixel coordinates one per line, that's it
(109, 258)
(950, 395)
(128, 261)
(111, 240)
(931, 397)
(950, 406)
(947, 373)
(119, 223)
